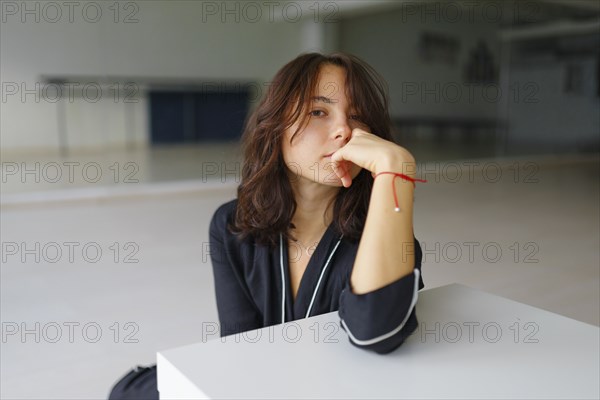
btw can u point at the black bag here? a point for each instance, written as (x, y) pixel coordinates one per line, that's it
(138, 384)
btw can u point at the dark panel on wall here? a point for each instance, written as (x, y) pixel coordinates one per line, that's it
(167, 117)
(197, 116)
(220, 116)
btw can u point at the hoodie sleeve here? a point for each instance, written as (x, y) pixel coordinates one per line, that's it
(382, 319)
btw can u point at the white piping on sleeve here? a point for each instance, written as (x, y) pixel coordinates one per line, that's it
(416, 272)
(282, 279)
(312, 300)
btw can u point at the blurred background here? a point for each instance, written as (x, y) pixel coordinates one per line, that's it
(120, 128)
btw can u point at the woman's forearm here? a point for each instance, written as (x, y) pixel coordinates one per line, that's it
(386, 250)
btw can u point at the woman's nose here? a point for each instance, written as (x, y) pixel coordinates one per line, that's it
(342, 129)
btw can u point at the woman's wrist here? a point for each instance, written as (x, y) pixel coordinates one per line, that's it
(400, 161)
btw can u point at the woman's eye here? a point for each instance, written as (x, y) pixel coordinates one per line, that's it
(312, 113)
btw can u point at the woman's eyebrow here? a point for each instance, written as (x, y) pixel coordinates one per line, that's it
(323, 99)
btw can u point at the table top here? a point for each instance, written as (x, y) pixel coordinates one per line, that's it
(469, 344)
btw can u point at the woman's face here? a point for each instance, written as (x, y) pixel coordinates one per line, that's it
(328, 129)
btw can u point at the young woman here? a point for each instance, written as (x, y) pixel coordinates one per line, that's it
(323, 219)
(312, 231)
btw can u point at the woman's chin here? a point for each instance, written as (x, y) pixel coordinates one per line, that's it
(333, 184)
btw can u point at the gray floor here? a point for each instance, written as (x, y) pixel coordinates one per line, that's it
(544, 221)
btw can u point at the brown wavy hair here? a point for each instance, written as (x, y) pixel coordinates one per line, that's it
(265, 201)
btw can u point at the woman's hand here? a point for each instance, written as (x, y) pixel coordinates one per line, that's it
(372, 153)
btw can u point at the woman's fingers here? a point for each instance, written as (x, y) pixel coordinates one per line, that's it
(342, 170)
(356, 152)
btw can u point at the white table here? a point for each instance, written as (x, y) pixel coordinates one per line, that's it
(469, 344)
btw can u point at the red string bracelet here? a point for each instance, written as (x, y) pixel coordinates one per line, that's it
(405, 177)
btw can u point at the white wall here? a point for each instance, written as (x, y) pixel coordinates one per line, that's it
(172, 39)
(389, 42)
(178, 39)
(555, 121)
